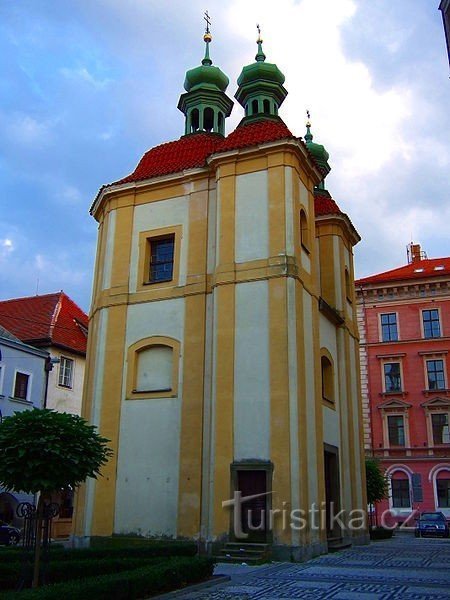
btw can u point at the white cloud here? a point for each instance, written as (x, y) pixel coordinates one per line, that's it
(26, 130)
(361, 124)
(6, 247)
(84, 75)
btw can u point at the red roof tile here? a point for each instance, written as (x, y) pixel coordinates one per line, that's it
(48, 320)
(251, 134)
(420, 269)
(191, 151)
(188, 152)
(325, 205)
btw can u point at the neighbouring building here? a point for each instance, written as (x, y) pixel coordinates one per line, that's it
(404, 323)
(223, 345)
(55, 324)
(22, 386)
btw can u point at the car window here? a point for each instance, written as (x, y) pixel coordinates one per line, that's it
(432, 516)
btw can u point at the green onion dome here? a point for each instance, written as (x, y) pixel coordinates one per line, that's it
(205, 76)
(318, 151)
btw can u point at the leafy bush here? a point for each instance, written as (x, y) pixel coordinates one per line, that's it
(139, 551)
(56, 571)
(128, 585)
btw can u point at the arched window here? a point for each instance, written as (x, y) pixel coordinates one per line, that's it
(327, 379)
(153, 368)
(254, 107)
(304, 230)
(208, 119)
(221, 123)
(348, 287)
(266, 105)
(443, 488)
(194, 120)
(400, 489)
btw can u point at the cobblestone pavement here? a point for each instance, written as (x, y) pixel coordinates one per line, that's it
(401, 568)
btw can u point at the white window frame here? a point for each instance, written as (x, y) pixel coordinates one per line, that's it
(433, 479)
(406, 510)
(30, 383)
(2, 377)
(63, 385)
(380, 327)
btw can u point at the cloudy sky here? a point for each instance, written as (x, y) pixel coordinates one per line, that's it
(88, 86)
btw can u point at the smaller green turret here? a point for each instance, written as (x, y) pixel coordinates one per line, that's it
(205, 103)
(318, 152)
(260, 90)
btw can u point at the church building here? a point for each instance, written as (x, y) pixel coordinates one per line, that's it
(223, 346)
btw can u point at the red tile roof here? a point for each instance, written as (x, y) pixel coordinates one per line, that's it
(325, 205)
(48, 320)
(251, 134)
(420, 269)
(191, 151)
(186, 153)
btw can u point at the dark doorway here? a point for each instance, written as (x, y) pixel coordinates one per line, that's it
(332, 490)
(253, 511)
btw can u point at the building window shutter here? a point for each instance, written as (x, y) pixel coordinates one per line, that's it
(417, 487)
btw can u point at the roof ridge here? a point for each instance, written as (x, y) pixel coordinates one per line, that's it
(30, 297)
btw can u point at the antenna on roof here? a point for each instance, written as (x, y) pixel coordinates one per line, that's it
(37, 286)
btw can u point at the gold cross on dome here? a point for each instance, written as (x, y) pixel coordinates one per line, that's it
(259, 32)
(208, 21)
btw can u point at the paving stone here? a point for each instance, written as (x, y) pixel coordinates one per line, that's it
(403, 568)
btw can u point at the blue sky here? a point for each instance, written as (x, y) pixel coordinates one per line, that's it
(88, 86)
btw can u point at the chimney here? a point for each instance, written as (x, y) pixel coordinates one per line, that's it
(415, 253)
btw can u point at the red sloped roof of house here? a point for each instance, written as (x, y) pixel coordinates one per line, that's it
(191, 151)
(47, 320)
(325, 205)
(420, 269)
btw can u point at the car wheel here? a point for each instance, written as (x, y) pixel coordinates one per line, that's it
(13, 539)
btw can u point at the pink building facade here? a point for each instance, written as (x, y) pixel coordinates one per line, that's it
(404, 324)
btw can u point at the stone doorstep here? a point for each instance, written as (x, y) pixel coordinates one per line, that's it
(197, 587)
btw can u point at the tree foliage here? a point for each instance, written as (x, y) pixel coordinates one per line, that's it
(42, 450)
(377, 482)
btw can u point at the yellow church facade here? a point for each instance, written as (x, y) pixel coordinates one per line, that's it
(223, 347)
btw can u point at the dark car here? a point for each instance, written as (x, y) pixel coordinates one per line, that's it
(9, 535)
(432, 523)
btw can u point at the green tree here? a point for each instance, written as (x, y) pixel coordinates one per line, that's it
(42, 451)
(376, 482)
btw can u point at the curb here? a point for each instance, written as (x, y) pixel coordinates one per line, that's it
(216, 579)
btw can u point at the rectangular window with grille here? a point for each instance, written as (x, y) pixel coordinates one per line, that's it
(389, 331)
(435, 375)
(439, 422)
(392, 378)
(401, 497)
(396, 430)
(21, 386)
(161, 258)
(65, 378)
(431, 324)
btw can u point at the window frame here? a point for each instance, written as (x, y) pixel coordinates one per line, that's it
(439, 320)
(432, 359)
(396, 416)
(72, 372)
(383, 375)
(2, 376)
(436, 413)
(402, 479)
(305, 236)
(328, 382)
(380, 320)
(29, 384)
(132, 392)
(144, 282)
